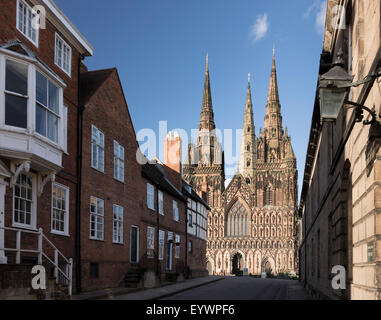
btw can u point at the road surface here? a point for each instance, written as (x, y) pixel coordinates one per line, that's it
(245, 288)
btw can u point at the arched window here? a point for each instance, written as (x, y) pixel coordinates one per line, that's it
(248, 163)
(248, 148)
(238, 221)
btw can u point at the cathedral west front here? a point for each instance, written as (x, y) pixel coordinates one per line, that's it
(253, 221)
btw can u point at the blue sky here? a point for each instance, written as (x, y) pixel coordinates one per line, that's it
(159, 48)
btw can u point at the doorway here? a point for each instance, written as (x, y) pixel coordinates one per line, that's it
(134, 253)
(237, 264)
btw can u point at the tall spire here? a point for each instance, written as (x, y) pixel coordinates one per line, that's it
(207, 115)
(248, 144)
(273, 95)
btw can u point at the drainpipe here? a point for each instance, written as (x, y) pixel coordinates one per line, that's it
(186, 241)
(158, 235)
(78, 265)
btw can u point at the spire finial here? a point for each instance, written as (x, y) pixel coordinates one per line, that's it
(249, 77)
(274, 50)
(207, 61)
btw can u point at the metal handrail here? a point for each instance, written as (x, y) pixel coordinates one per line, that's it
(41, 254)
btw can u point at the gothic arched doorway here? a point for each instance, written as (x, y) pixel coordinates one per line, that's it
(237, 264)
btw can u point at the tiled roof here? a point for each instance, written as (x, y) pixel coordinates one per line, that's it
(155, 173)
(189, 191)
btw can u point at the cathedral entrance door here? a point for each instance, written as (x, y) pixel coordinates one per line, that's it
(237, 264)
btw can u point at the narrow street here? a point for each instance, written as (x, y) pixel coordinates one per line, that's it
(240, 288)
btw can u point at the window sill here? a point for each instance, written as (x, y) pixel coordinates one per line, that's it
(119, 180)
(62, 234)
(99, 240)
(118, 243)
(24, 227)
(96, 169)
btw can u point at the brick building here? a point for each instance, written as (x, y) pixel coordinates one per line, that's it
(340, 200)
(39, 72)
(109, 171)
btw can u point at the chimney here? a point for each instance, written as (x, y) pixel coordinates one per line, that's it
(172, 151)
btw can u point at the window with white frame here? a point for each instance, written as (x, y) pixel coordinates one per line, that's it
(16, 94)
(161, 202)
(150, 196)
(62, 56)
(190, 247)
(60, 209)
(118, 162)
(97, 149)
(96, 219)
(25, 18)
(24, 201)
(47, 107)
(175, 211)
(150, 242)
(117, 224)
(161, 244)
(65, 120)
(28, 87)
(177, 247)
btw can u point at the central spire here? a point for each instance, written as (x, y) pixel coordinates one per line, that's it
(207, 115)
(273, 95)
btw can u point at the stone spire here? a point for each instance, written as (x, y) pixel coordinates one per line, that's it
(248, 145)
(207, 115)
(273, 95)
(273, 129)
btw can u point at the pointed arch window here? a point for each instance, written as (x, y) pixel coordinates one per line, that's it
(248, 148)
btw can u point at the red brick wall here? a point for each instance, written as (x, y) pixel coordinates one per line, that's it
(67, 177)
(108, 111)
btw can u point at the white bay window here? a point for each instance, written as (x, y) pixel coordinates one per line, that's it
(31, 107)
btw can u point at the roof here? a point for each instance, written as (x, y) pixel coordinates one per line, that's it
(156, 174)
(90, 82)
(64, 20)
(189, 191)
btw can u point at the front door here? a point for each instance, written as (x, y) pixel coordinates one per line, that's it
(134, 245)
(169, 255)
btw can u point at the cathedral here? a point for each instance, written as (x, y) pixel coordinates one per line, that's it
(252, 224)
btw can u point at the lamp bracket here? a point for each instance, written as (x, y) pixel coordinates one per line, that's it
(359, 110)
(367, 79)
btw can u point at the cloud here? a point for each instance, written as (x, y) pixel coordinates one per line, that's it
(318, 9)
(311, 8)
(320, 17)
(259, 29)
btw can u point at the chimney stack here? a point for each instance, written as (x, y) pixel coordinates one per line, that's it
(172, 151)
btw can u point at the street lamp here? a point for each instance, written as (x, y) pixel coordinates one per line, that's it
(334, 88)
